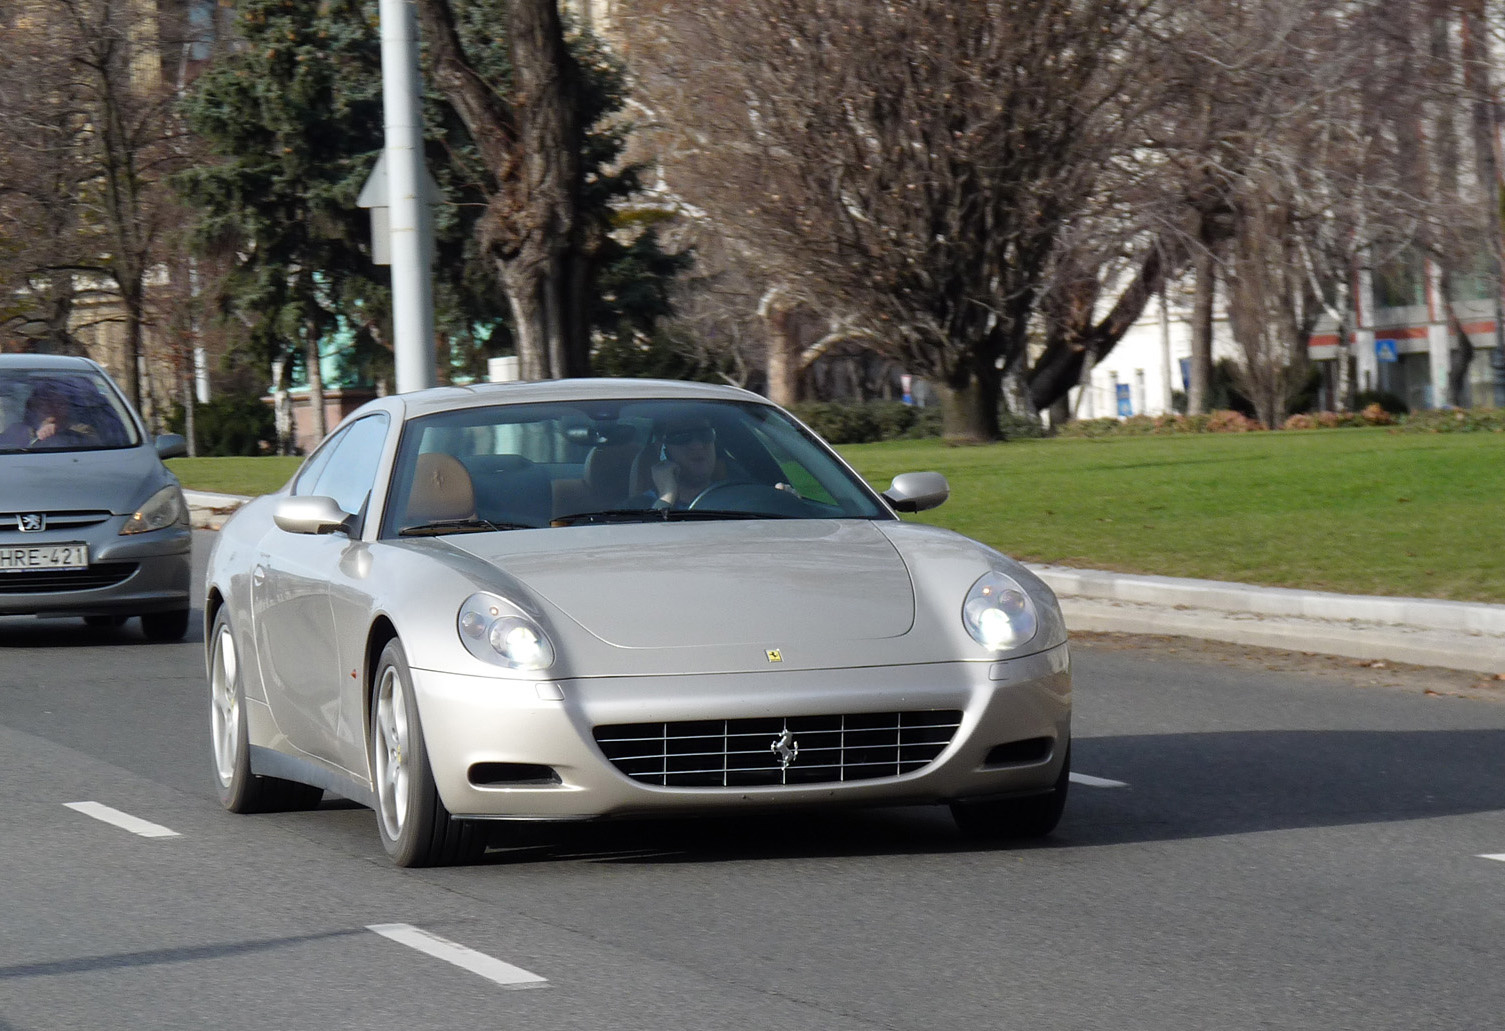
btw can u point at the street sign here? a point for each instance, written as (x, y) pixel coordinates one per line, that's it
(1386, 351)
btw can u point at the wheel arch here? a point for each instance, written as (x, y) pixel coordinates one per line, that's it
(382, 631)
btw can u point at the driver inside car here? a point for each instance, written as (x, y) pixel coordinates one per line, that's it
(688, 464)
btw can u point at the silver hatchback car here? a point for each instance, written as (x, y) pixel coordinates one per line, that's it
(92, 523)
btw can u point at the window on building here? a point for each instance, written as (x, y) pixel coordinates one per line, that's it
(1400, 281)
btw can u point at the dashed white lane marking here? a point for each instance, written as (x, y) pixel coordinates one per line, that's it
(1089, 781)
(1499, 857)
(504, 974)
(125, 821)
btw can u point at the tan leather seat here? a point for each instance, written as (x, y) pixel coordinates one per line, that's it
(441, 491)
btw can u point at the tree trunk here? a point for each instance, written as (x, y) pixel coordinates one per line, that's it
(315, 381)
(282, 408)
(969, 403)
(783, 358)
(1200, 381)
(530, 142)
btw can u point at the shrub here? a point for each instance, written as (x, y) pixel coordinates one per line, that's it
(1456, 420)
(228, 425)
(1392, 403)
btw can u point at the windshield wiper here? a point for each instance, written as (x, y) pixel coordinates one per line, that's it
(677, 514)
(610, 515)
(473, 525)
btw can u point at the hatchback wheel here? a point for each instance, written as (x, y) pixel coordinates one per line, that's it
(416, 829)
(165, 626)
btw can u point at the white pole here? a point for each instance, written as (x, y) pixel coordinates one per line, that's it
(1167, 382)
(411, 223)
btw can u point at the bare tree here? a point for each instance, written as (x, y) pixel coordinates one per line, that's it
(529, 141)
(906, 166)
(92, 110)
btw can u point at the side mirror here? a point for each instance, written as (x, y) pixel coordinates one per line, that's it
(915, 492)
(312, 514)
(172, 445)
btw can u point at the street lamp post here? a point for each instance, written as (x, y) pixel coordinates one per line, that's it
(410, 225)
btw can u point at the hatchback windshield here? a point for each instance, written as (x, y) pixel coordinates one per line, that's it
(576, 463)
(54, 410)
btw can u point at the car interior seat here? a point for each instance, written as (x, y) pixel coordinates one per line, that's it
(442, 491)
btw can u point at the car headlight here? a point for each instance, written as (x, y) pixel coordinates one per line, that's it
(165, 508)
(999, 613)
(495, 631)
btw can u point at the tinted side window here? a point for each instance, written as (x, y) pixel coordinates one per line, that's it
(308, 475)
(351, 470)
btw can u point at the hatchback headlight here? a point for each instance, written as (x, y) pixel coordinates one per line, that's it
(999, 613)
(495, 631)
(165, 508)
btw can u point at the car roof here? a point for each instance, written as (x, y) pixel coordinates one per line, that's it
(58, 362)
(442, 399)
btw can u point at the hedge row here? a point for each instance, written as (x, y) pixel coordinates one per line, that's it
(865, 422)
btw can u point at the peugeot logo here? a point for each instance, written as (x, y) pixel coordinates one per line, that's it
(785, 748)
(31, 522)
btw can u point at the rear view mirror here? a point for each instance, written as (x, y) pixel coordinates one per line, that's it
(916, 492)
(172, 445)
(311, 514)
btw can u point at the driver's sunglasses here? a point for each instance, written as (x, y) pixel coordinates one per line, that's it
(695, 435)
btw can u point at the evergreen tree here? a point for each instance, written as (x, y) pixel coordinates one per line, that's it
(294, 119)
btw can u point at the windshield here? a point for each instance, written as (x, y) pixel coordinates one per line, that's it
(578, 463)
(61, 410)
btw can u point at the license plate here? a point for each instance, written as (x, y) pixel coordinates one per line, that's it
(44, 556)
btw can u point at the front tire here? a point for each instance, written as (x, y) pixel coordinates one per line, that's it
(1015, 819)
(240, 790)
(165, 626)
(416, 829)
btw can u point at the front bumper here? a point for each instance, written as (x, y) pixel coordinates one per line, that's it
(472, 723)
(158, 582)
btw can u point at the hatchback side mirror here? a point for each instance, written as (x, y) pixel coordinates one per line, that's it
(311, 514)
(172, 445)
(915, 492)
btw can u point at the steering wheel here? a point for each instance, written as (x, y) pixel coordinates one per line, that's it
(724, 489)
(753, 498)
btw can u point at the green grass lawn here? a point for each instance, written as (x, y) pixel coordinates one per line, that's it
(1357, 511)
(235, 475)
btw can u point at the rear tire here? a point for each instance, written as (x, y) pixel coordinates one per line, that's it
(240, 790)
(416, 829)
(165, 626)
(1015, 819)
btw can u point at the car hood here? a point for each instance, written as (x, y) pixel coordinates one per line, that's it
(664, 585)
(118, 479)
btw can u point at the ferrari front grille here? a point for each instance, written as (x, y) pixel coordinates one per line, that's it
(779, 750)
(46, 581)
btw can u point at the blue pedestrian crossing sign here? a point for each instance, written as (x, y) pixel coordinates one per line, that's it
(1386, 351)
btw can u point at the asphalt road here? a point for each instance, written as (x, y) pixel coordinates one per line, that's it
(1290, 849)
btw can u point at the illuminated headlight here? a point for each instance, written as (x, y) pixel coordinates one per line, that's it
(999, 614)
(495, 631)
(165, 508)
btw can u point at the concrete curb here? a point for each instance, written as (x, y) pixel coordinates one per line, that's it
(1422, 631)
(208, 511)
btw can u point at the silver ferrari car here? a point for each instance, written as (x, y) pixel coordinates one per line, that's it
(587, 599)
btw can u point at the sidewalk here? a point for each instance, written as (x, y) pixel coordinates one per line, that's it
(1420, 631)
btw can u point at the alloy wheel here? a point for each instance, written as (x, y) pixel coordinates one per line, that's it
(226, 705)
(393, 754)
